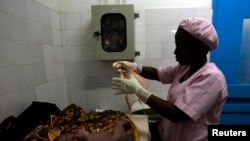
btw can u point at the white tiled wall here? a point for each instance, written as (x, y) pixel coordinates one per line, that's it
(31, 56)
(46, 51)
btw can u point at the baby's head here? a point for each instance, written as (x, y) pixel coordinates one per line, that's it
(80, 135)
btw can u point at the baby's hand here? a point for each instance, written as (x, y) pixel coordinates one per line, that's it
(125, 122)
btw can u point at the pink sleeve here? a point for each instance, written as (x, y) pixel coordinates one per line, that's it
(166, 74)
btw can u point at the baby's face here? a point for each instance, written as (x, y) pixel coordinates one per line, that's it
(81, 135)
(69, 137)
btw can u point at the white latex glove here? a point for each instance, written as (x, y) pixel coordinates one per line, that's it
(134, 66)
(130, 86)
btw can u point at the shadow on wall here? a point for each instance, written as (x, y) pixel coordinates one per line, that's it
(98, 74)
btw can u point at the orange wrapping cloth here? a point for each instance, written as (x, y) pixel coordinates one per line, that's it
(74, 117)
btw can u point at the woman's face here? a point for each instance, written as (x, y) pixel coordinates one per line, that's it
(187, 49)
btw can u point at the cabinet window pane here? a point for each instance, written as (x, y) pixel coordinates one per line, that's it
(113, 32)
(244, 70)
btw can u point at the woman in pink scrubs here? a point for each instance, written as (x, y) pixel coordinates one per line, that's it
(198, 88)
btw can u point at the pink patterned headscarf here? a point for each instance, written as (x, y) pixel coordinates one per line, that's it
(201, 29)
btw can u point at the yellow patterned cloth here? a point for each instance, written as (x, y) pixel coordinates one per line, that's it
(74, 117)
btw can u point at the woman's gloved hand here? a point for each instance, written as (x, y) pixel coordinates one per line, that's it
(130, 86)
(118, 66)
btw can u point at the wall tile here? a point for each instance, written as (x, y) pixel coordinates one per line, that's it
(11, 104)
(50, 71)
(96, 2)
(86, 22)
(140, 35)
(153, 50)
(68, 6)
(46, 35)
(73, 21)
(7, 53)
(52, 4)
(17, 7)
(60, 70)
(153, 17)
(8, 80)
(88, 53)
(59, 54)
(5, 25)
(57, 37)
(62, 89)
(53, 89)
(42, 92)
(22, 54)
(34, 32)
(49, 53)
(153, 34)
(73, 37)
(40, 73)
(75, 69)
(4, 5)
(170, 17)
(26, 75)
(36, 53)
(33, 11)
(168, 33)
(28, 95)
(186, 13)
(75, 53)
(168, 50)
(18, 30)
(55, 19)
(74, 84)
(204, 12)
(65, 53)
(87, 37)
(45, 15)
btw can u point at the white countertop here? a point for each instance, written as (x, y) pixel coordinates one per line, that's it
(141, 122)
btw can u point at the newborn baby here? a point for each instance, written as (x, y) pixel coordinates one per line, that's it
(83, 135)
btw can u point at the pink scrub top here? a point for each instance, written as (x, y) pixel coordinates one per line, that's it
(201, 97)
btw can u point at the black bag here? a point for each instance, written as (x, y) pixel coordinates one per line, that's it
(38, 113)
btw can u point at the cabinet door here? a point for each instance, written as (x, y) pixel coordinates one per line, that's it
(229, 18)
(232, 21)
(113, 32)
